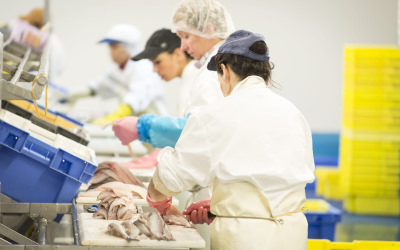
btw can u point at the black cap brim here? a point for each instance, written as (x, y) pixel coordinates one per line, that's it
(148, 54)
(211, 64)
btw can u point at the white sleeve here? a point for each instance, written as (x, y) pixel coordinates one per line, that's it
(190, 162)
(144, 87)
(101, 81)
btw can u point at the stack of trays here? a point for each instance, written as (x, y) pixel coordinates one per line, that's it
(370, 139)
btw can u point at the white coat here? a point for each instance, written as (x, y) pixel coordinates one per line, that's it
(255, 137)
(135, 85)
(186, 85)
(205, 87)
(204, 90)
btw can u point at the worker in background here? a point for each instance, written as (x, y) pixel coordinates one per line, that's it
(201, 38)
(202, 26)
(57, 56)
(169, 62)
(254, 146)
(138, 89)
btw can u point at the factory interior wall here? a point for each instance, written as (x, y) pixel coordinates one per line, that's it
(306, 40)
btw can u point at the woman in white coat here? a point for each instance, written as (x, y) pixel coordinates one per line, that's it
(254, 146)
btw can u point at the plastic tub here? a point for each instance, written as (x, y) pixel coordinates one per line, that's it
(328, 184)
(51, 117)
(355, 245)
(20, 111)
(34, 171)
(372, 205)
(322, 218)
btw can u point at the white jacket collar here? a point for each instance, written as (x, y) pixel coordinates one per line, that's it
(249, 81)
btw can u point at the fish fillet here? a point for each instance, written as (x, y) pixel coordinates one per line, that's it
(119, 231)
(156, 226)
(174, 217)
(144, 229)
(105, 194)
(112, 171)
(89, 193)
(101, 213)
(122, 189)
(131, 230)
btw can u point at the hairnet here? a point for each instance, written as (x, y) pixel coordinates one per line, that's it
(205, 18)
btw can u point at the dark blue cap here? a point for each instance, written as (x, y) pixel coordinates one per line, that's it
(239, 43)
(107, 40)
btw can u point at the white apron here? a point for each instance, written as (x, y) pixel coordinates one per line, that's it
(244, 219)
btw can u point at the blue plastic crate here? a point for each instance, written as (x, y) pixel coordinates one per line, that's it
(34, 171)
(321, 224)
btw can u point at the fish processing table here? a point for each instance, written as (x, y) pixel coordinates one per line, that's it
(92, 232)
(87, 233)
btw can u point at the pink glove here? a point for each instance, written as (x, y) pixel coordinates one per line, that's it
(161, 206)
(197, 212)
(147, 161)
(125, 129)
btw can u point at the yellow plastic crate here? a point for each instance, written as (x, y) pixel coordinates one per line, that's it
(372, 95)
(372, 205)
(372, 52)
(316, 205)
(373, 187)
(349, 232)
(368, 191)
(352, 148)
(361, 82)
(371, 170)
(388, 180)
(390, 70)
(327, 183)
(372, 63)
(385, 121)
(377, 127)
(368, 90)
(359, 103)
(355, 245)
(350, 158)
(370, 141)
(376, 113)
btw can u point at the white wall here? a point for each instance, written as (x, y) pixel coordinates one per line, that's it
(306, 40)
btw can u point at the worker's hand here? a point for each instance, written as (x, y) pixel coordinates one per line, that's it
(123, 110)
(125, 129)
(197, 212)
(161, 206)
(147, 161)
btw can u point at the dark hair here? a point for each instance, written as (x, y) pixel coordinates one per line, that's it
(243, 66)
(188, 57)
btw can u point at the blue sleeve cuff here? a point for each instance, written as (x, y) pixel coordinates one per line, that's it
(143, 126)
(160, 131)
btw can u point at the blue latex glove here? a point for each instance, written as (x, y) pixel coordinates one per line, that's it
(160, 131)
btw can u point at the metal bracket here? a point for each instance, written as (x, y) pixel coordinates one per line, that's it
(14, 236)
(48, 211)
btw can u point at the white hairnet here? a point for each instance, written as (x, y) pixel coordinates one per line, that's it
(205, 18)
(126, 34)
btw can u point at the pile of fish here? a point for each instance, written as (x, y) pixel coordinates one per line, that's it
(148, 225)
(117, 200)
(111, 171)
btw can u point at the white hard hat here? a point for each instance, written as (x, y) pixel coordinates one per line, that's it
(123, 33)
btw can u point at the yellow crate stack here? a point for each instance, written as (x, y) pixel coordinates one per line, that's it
(370, 139)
